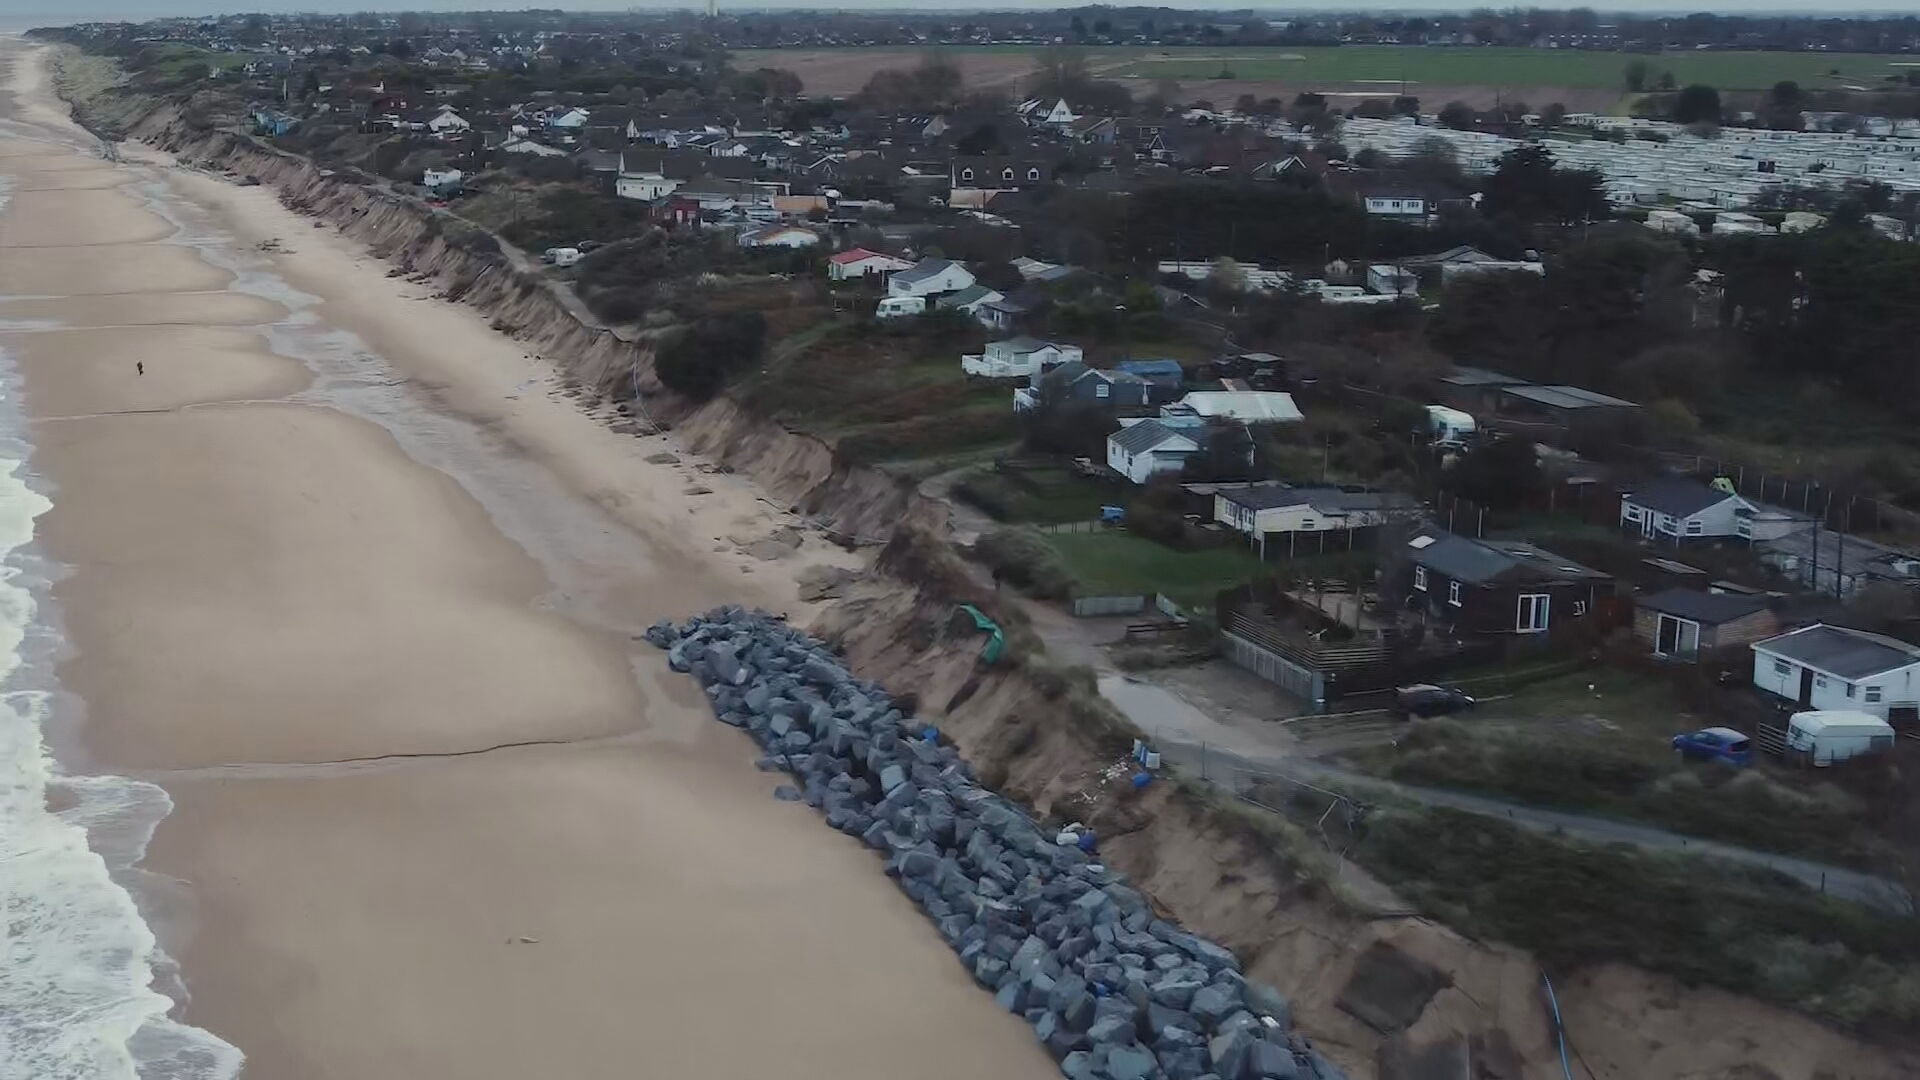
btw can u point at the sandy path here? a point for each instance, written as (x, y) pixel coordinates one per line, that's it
(406, 545)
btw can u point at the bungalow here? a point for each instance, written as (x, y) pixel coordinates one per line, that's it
(1167, 376)
(859, 262)
(441, 180)
(1076, 385)
(1246, 406)
(929, 277)
(1680, 624)
(1147, 448)
(519, 145)
(1020, 357)
(1679, 509)
(448, 123)
(1476, 390)
(1395, 204)
(1561, 405)
(1496, 588)
(968, 300)
(1832, 667)
(571, 120)
(1005, 313)
(779, 236)
(1260, 510)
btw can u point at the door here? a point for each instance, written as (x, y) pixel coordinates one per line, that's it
(1646, 523)
(1806, 687)
(1677, 637)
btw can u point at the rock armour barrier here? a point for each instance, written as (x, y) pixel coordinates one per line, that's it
(1111, 991)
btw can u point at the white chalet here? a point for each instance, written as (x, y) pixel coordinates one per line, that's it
(1020, 357)
(1675, 508)
(1832, 667)
(859, 262)
(1145, 448)
(929, 277)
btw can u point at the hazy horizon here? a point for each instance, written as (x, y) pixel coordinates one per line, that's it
(135, 10)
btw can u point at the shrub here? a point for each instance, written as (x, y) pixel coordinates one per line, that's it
(1024, 559)
(699, 360)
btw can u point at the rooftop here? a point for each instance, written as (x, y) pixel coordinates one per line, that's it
(1840, 652)
(1482, 561)
(1677, 496)
(1703, 607)
(1568, 397)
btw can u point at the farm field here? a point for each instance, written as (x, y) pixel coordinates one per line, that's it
(1578, 78)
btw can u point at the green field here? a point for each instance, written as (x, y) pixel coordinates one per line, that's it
(1386, 65)
(1511, 67)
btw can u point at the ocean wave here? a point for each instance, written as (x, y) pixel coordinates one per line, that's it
(78, 967)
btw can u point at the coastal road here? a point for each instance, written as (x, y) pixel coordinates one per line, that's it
(1231, 755)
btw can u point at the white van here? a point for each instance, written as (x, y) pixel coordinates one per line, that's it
(1449, 425)
(561, 256)
(1829, 735)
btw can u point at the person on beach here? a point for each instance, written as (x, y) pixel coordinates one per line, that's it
(139, 367)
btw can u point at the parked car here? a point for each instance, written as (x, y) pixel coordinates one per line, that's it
(1426, 699)
(1715, 744)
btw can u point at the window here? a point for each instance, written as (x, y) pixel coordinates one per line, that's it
(1420, 578)
(1873, 695)
(1033, 174)
(966, 174)
(1006, 174)
(1453, 593)
(1781, 667)
(1101, 390)
(1820, 681)
(1849, 689)
(1695, 528)
(1306, 524)
(1633, 512)
(1533, 613)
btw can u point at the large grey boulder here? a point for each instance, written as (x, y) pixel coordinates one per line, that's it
(1131, 1063)
(1231, 1052)
(1176, 991)
(1213, 1003)
(1271, 1061)
(1112, 1030)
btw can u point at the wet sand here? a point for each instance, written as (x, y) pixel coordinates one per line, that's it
(403, 548)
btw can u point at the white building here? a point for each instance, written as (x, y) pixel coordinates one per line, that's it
(1145, 448)
(1676, 509)
(1246, 406)
(439, 178)
(859, 262)
(1259, 509)
(1387, 280)
(1020, 357)
(779, 236)
(571, 120)
(519, 145)
(929, 277)
(448, 123)
(1832, 667)
(642, 179)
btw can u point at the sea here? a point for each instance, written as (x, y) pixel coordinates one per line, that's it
(86, 992)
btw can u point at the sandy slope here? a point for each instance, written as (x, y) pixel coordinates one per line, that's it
(263, 585)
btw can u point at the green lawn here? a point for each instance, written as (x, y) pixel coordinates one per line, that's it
(1043, 496)
(1116, 564)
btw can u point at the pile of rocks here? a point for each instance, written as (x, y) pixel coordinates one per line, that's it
(1113, 993)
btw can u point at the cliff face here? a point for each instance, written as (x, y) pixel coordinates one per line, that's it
(470, 266)
(1037, 737)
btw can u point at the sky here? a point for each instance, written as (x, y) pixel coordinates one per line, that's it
(23, 12)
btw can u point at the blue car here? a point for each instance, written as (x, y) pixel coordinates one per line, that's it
(1715, 744)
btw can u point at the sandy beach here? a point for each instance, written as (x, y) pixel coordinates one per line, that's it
(355, 584)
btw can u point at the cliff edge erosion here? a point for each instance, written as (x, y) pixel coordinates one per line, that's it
(1380, 991)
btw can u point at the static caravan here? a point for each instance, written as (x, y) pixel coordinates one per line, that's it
(1448, 424)
(1830, 735)
(900, 307)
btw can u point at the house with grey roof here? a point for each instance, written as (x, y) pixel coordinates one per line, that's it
(1677, 509)
(1262, 511)
(1490, 588)
(929, 277)
(1148, 448)
(1833, 667)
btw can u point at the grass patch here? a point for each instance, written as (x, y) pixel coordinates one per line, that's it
(882, 394)
(1747, 931)
(1118, 564)
(1048, 496)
